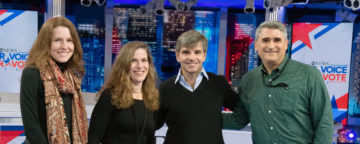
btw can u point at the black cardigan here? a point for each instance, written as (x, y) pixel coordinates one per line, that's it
(195, 117)
(32, 104)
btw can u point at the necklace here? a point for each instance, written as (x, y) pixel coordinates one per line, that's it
(139, 136)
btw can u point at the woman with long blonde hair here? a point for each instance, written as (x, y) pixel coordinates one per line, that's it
(51, 101)
(124, 111)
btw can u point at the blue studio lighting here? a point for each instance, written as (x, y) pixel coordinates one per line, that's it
(351, 135)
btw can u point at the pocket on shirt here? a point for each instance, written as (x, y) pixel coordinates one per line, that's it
(287, 109)
(288, 101)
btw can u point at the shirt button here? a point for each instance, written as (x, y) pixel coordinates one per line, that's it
(269, 111)
(269, 95)
(270, 80)
(271, 128)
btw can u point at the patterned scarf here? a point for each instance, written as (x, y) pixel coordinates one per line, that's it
(67, 82)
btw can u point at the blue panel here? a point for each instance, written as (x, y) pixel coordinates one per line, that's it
(93, 44)
(354, 79)
(206, 23)
(89, 22)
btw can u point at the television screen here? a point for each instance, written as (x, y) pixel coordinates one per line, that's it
(18, 31)
(354, 88)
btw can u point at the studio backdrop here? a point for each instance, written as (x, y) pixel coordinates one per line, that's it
(327, 47)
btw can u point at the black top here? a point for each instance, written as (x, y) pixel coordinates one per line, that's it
(32, 104)
(195, 117)
(110, 125)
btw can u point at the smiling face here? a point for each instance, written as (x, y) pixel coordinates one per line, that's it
(62, 46)
(271, 47)
(139, 66)
(191, 59)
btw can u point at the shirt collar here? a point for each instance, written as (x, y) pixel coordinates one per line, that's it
(282, 65)
(203, 73)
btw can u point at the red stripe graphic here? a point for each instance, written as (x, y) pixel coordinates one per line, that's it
(7, 136)
(2, 11)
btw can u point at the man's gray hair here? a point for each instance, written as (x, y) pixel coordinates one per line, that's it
(190, 39)
(271, 25)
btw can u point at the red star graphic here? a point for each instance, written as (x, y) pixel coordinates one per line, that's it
(342, 102)
(301, 32)
(2, 11)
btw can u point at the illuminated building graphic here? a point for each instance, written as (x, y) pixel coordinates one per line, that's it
(205, 22)
(131, 25)
(161, 33)
(175, 23)
(93, 44)
(354, 90)
(119, 30)
(240, 52)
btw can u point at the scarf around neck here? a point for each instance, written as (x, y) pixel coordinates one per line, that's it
(67, 82)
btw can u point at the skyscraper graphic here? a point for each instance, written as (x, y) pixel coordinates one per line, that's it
(161, 33)
(175, 23)
(354, 90)
(206, 23)
(93, 44)
(238, 43)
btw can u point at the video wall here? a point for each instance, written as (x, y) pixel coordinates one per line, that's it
(18, 31)
(92, 39)
(161, 33)
(354, 88)
(240, 53)
(90, 24)
(350, 133)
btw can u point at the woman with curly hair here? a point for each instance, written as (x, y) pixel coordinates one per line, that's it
(124, 111)
(51, 101)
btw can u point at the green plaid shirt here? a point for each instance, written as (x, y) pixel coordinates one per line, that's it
(289, 106)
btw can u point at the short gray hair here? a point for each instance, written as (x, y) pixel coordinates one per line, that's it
(191, 38)
(271, 25)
